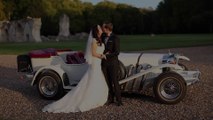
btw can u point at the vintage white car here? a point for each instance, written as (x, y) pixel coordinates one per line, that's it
(57, 71)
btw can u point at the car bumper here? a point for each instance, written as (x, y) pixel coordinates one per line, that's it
(190, 77)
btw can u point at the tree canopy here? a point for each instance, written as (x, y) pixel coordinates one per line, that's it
(186, 16)
(171, 16)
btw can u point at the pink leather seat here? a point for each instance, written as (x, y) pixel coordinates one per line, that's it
(44, 53)
(81, 57)
(64, 50)
(75, 58)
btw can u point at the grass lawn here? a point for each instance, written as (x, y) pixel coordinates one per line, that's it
(146, 42)
(127, 43)
(20, 48)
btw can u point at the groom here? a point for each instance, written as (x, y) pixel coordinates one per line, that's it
(110, 64)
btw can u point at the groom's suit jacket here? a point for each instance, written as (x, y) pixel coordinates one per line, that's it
(110, 66)
(112, 46)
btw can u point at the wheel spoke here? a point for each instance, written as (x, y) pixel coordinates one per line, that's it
(170, 88)
(48, 86)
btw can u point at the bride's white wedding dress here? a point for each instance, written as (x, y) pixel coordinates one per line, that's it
(91, 92)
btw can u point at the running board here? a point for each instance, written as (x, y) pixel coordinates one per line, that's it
(148, 71)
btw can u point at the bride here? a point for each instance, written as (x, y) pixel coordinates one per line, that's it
(92, 90)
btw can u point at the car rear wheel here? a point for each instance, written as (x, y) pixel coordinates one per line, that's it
(169, 88)
(49, 85)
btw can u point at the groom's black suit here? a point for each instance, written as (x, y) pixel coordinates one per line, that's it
(110, 66)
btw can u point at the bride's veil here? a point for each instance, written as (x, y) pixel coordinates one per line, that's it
(88, 52)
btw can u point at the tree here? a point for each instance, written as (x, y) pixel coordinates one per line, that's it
(128, 19)
(87, 14)
(103, 11)
(185, 16)
(2, 13)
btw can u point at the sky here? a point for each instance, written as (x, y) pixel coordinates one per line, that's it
(136, 3)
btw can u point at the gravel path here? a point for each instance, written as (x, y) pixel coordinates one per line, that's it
(19, 100)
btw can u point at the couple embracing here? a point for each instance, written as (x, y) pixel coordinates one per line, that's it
(99, 85)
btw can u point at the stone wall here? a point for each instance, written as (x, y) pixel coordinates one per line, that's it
(3, 31)
(25, 30)
(64, 26)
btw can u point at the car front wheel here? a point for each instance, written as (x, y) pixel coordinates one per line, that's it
(169, 88)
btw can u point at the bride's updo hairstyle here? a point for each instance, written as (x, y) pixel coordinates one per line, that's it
(95, 34)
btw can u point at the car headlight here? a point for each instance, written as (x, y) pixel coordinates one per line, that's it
(169, 60)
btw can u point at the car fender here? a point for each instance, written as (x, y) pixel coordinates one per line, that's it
(175, 66)
(181, 57)
(56, 69)
(148, 83)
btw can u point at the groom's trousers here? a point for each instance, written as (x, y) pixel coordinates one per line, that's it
(110, 71)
